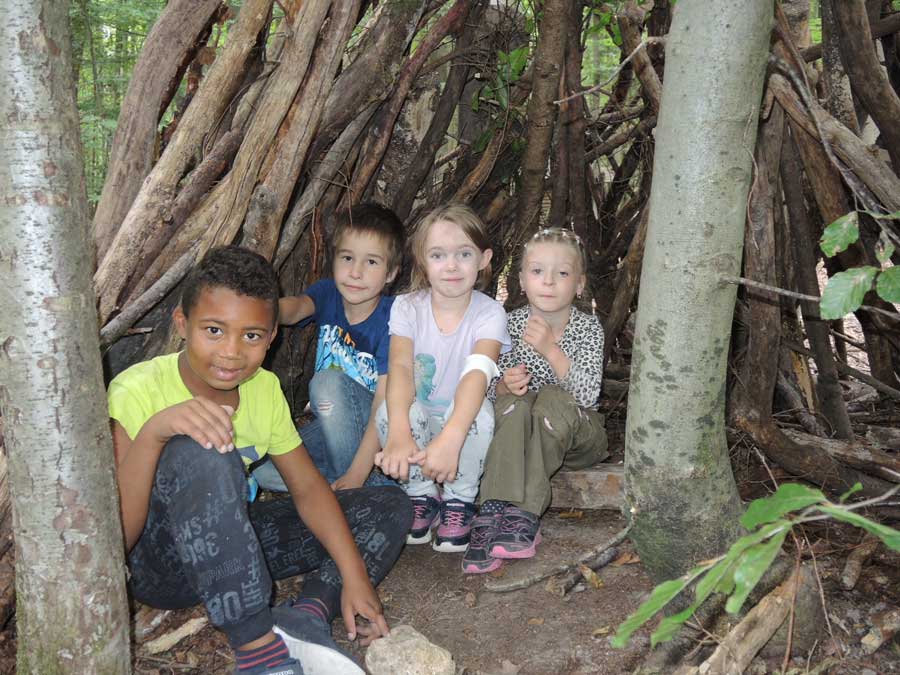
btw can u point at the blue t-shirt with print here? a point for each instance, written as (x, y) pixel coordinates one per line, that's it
(360, 350)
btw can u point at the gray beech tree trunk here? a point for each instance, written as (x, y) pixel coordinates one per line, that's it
(680, 492)
(70, 572)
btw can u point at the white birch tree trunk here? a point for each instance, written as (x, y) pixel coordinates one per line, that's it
(680, 491)
(72, 612)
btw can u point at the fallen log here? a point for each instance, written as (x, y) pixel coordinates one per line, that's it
(854, 454)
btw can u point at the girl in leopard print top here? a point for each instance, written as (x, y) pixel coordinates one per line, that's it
(546, 402)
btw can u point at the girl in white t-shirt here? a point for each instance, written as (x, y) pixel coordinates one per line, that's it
(436, 424)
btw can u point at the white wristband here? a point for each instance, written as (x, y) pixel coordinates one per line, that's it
(483, 363)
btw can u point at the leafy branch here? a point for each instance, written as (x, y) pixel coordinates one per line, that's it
(737, 572)
(845, 291)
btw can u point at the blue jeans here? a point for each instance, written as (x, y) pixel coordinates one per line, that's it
(341, 406)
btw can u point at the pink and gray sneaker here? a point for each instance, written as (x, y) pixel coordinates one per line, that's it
(426, 514)
(452, 535)
(478, 558)
(520, 533)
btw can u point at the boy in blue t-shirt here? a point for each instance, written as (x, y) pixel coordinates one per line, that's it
(352, 350)
(185, 427)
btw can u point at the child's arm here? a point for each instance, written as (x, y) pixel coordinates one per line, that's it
(540, 336)
(400, 393)
(136, 459)
(369, 446)
(320, 511)
(440, 459)
(294, 308)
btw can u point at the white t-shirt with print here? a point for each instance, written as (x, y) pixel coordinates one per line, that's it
(438, 357)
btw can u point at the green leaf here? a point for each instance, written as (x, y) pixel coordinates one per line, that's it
(884, 216)
(888, 284)
(502, 97)
(659, 598)
(884, 249)
(789, 497)
(476, 100)
(840, 234)
(856, 488)
(482, 142)
(670, 625)
(845, 291)
(752, 565)
(616, 35)
(888, 535)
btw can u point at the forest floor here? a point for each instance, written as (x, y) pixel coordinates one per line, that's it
(534, 631)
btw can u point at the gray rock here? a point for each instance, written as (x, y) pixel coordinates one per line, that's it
(407, 652)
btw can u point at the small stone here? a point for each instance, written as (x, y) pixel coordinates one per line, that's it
(407, 652)
(471, 600)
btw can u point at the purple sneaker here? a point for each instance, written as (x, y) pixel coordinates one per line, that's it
(426, 513)
(452, 534)
(478, 558)
(520, 533)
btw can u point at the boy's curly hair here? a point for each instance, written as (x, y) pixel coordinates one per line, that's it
(237, 269)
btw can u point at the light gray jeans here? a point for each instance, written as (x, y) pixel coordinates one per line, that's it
(425, 427)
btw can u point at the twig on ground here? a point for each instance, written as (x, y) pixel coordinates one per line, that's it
(856, 560)
(562, 585)
(517, 584)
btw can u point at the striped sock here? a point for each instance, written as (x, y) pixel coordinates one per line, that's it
(256, 660)
(313, 606)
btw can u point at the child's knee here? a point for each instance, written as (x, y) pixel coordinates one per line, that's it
(188, 461)
(326, 389)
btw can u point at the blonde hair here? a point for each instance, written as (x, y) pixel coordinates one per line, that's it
(471, 225)
(558, 235)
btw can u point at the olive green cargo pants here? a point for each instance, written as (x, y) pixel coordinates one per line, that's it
(534, 436)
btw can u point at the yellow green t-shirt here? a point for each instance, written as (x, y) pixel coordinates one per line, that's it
(262, 423)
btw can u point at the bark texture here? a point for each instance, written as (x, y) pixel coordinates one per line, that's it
(70, 575)
(678, 476)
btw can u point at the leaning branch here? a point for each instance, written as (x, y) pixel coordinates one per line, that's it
(625, 62)
(798, 296)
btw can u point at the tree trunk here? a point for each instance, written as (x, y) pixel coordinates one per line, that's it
(680, 492)
(827, 385)
(167, 52)
(868, 79)
(541, 113)
(70, 576)
(149, 221)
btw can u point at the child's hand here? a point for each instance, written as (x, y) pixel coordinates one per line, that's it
(206, 422)
(394, 459)
(439, 460)
(539, 335)
(348, 481)
(516, 379)
(359, 597)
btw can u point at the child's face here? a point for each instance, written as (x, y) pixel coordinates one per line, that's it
(452, 260)
(226, 339)
(361, 267)
(550, 276)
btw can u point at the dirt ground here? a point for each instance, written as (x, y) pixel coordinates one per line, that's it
(536, 632)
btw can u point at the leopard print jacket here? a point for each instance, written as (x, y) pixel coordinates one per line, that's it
(582, 342)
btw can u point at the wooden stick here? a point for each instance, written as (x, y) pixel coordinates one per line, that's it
(118, 326)
(742, 643)
(856, 560)
(847, 370)
(562, 585)
(515, 585)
